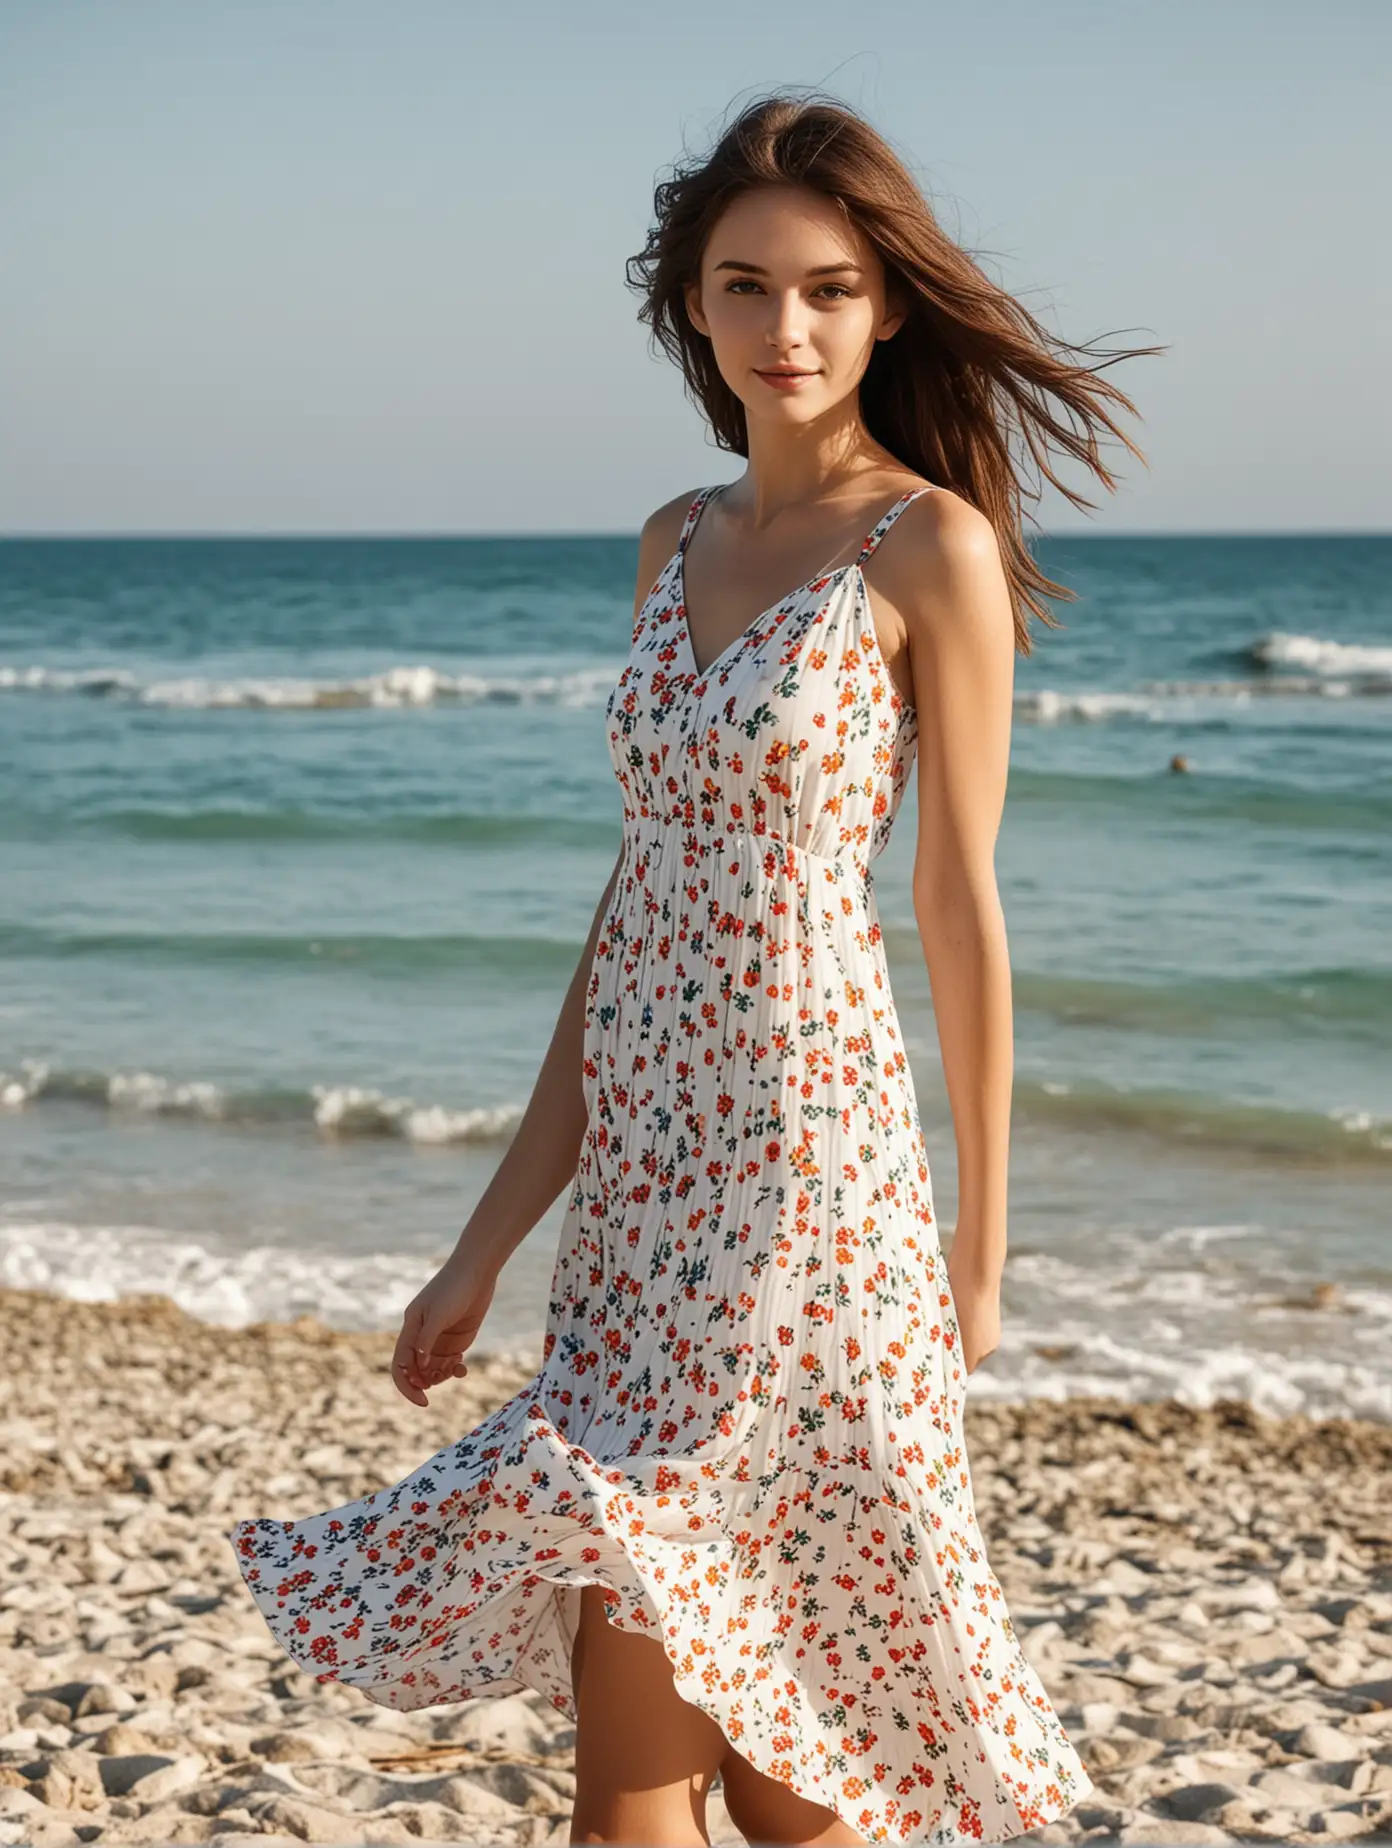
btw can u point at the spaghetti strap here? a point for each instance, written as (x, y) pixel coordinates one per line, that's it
(882, 526)
(693, 515)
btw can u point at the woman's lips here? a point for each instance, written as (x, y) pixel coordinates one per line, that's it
(786, 381)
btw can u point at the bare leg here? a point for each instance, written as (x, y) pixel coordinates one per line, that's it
(645, 1759)
(769, 1814)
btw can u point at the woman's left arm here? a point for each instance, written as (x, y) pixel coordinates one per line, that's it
(960, 633)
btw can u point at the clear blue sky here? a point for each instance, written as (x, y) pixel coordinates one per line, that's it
(323, 266)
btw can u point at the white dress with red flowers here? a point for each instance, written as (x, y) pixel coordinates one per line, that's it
(747, 1425)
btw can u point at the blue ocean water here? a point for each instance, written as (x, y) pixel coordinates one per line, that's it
(301, 840)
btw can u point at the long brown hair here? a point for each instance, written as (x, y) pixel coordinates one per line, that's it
(969, 372)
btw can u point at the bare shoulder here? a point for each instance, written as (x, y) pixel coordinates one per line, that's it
(939, 587)
(662, 528)
(943, 569)
(659, 539)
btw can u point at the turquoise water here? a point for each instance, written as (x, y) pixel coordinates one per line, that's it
(302, 839)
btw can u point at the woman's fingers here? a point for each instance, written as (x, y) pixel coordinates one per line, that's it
(437, 1366)
(405, 1371)
(418, 1362)
(436, 1358)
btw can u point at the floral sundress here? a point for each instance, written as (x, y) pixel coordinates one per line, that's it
(747, 1425)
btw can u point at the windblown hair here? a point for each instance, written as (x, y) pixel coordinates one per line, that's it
(970, 372)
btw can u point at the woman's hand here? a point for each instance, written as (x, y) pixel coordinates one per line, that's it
(440, 1325)
(976, 1296)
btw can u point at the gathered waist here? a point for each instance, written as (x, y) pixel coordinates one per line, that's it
(675, 838)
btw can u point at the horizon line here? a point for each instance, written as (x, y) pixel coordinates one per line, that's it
(409, 533)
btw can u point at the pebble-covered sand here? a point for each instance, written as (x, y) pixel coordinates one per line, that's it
(1206, 1595)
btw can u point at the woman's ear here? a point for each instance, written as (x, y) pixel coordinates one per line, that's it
(692, 296)
(895, 314)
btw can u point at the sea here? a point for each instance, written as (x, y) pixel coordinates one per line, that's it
(300, 840)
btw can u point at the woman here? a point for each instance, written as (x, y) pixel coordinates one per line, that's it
(729, 1526)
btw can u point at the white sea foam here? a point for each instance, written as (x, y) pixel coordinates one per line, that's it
(95, 680)
(1318, 655)
(403, 686)
(1154, 700)
(1047, 706)
(21, 1087)
(1138, 1327)
(1068, 1329)
(334, 1110)
(398, 686)
(148, 1092)
(273, 1282)
(349, 1110)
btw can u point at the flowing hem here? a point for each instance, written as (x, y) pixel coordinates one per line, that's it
(538, 1645)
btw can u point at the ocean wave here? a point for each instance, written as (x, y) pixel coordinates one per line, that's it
(1100, 1323)
(1210, 796)
(403, 957)
(1153, 701)
(1347, 999)
(1318, 655)
(1351, 1002)
(1151, 789)
(457, 827)
(1337, 1137)
(334, 1110)
(1337, 670)
(349, 1110)
(1340, 1137)
(393, 688)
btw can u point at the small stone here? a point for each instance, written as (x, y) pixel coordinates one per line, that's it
(1200, 1802)
(1247, 1815)
(103, 1697)
(309, 1822)
(1317, 1740)
(43, 1710)
(175, 1775)
(304, 1746)
(123, 1740)
(83, 1772)
(121, 1775)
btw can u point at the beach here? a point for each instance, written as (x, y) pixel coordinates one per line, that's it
(302, 841)
(1205, 1591)
(353, 726)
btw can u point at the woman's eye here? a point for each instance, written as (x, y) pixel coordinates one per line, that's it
(741, 281)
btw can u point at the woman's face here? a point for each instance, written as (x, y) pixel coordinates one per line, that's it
(787, 281)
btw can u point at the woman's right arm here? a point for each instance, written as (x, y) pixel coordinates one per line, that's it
(544, 1152)
(443, 1319)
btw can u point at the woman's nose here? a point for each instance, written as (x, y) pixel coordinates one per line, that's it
(789, 318)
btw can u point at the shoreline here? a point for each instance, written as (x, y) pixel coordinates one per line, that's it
(1206, 1593)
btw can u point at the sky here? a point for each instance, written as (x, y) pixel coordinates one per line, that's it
(320, 266)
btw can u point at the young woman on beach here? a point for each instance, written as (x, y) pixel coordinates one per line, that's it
(729, 1526)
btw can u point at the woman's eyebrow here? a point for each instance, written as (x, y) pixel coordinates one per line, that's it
(822, 269)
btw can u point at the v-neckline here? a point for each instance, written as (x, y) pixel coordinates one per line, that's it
(704, 673)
